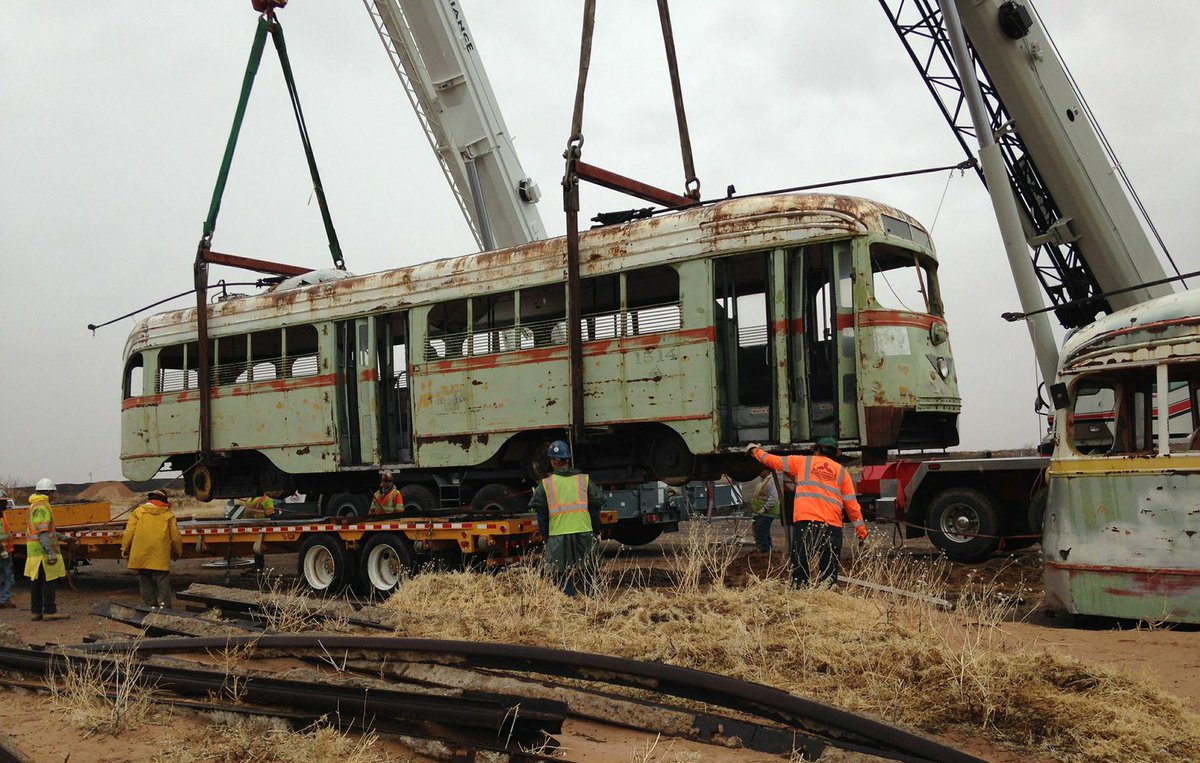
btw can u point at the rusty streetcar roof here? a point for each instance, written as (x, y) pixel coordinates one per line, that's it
(724, 227)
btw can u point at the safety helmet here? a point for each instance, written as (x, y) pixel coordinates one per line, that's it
(827, 442)
(44, 484)
(157, 495)
(385, 476)
(559, 449)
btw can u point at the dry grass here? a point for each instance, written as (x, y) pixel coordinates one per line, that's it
(899, 659)
(103, 697)
(287, 608)
(266, 741)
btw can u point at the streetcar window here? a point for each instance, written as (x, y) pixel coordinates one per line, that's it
(1114, 414)
(600, 307)
(903, 280)
(133, 376)
(494, 320)
(652, 300)
(446, 330)
(301, 350)
(230, 364)
(544, 315)
(266, 354)
(172, 371)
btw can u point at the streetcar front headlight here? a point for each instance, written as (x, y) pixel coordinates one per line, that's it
(942, 366)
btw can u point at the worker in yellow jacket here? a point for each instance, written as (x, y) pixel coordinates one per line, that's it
(151, 540)
(43, 563)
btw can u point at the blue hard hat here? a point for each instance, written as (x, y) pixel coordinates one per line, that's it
(559, 449)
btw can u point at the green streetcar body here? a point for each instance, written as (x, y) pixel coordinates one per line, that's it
(746, 320)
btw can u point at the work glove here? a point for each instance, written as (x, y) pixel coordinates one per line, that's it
(3, 553)
(861, 532)
(752, 447)
(52, 558)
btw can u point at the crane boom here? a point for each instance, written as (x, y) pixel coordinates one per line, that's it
(1086, 238)
(434, 53)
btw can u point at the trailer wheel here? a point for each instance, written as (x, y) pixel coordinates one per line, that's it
(636, 535)
(419, 500)
(1037, 511)
(495, 497)
(347, 505)
(324, 564)
(387, 561)
(963, 524)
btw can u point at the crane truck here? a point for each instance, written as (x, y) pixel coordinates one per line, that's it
(1121, 538)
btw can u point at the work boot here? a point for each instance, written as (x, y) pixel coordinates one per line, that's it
(36, 617)
(57, 616)
(8, 605)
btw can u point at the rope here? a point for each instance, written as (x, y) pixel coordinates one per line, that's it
(1012, 317)
(218, 285)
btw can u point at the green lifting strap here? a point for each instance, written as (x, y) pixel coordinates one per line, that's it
(268, 24)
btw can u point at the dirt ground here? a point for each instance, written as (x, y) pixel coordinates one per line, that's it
(1169, 657)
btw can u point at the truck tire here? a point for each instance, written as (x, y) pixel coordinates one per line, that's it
(347, 505)
(496, 497)
(636, 535)
(957, 518)
(385, 562)
(325, 565)
(419, 500)
(1037, 511)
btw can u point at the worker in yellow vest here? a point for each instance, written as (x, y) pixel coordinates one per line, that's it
(43, 563)
(568, 506)
(260, 507)
(387, 499)
(6, 568)
(764, 504)
(824, 490)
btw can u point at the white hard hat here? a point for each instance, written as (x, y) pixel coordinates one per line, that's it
(44, 484)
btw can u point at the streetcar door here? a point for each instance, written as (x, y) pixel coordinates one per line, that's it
(395, 403)
(356, 392)
(742, 313)
(819, 305)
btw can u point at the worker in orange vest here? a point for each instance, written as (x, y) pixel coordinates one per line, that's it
(387, 499)
(823, 491)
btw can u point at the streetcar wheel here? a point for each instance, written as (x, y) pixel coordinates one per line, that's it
(347, 505)
(324, 564)
(419, 500)
(387, 560)
(636, 535)
(671, 461)
(496, 497)
(201, 478)
(963, 524)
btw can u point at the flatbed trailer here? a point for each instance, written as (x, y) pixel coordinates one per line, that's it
(375, 553)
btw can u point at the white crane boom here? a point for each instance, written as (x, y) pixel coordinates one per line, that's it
(434, 53)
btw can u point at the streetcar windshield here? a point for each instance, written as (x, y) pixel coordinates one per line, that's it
(904, 280)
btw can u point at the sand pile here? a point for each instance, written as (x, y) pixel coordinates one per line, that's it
(113, 492)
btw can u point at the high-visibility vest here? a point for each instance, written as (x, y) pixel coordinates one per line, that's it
(386, 504)
(40, 520)
(758, 500)
(567, 502)
(823, 488)
(263, 503)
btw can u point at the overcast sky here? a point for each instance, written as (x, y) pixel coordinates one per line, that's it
(113, 117)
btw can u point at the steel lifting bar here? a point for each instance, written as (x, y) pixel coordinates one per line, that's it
(838, 728)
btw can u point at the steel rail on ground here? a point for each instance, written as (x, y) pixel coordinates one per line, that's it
(836, 727)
